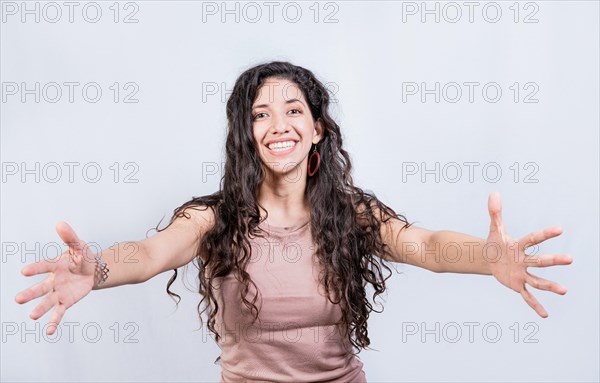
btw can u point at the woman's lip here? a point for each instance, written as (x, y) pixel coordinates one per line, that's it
(283, 152)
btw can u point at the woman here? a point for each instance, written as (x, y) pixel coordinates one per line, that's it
(286, 247)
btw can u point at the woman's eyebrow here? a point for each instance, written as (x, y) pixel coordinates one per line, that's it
(292, 100)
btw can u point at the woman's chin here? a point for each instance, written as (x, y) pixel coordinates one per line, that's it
(289, 171)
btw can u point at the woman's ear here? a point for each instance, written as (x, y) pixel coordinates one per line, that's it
(318, 132)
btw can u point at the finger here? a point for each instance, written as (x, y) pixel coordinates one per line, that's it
(544, 284)
(36, 290)
(495, 211)
(46, 304)
(533, 303)
(67, 234)
(40, 267)
(546, 260)
(57, 315)
(540, 236)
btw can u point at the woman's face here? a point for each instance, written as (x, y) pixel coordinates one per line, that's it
(283, 127)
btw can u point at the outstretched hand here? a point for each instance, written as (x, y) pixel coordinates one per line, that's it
(71, 277)
(510, 264)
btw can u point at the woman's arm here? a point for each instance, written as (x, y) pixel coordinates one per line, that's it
(75, 273)
(499, 255)
(138, 261)
(442, 251)
(176, 246)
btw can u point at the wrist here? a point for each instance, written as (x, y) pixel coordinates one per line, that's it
(100, 272)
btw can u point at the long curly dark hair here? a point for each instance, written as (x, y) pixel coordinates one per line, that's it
(344, 226)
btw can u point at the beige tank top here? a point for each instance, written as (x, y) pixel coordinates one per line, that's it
(294, 338)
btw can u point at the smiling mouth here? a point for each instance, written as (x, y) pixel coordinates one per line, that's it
(282, 146)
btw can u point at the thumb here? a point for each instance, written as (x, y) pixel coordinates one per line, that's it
(67, 234)
(495, 211)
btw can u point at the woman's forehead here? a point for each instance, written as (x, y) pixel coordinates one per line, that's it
(278, 89)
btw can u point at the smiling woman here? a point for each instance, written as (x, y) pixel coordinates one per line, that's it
(268, 208)
(286, 251)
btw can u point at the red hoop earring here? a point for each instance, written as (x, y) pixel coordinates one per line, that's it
(314, 154)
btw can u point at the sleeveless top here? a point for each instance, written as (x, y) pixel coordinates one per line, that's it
(295, 338)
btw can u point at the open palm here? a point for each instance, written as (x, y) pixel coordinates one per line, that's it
(510, 264)
(71, 277)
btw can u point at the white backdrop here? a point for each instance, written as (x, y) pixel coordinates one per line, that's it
(113, 114)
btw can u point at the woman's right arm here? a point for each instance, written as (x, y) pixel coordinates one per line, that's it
(176, 246)
(74, 274)
(138, 261)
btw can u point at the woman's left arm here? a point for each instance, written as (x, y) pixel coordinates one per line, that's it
(452, 252)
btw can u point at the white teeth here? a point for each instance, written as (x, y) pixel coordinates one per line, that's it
(279, 146)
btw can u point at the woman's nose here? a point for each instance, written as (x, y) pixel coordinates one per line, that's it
(280, 124)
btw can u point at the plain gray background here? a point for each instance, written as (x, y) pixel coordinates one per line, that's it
(180, 59)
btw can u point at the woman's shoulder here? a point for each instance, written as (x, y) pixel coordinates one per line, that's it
(201, 210)
(370, 210)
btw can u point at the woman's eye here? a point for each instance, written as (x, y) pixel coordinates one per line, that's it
(258, 115)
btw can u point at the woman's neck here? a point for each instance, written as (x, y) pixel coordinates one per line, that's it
(284, 201)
